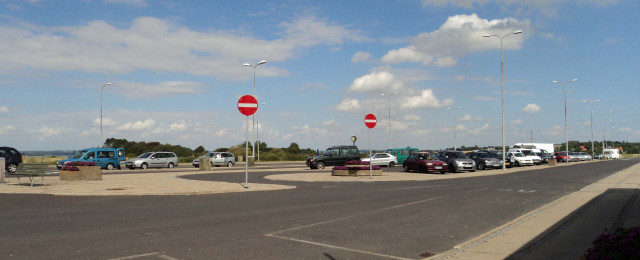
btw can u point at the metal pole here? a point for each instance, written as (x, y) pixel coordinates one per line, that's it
(246, 152)
(370, 157)
(101, 89)
(566, 135)
(389, 130)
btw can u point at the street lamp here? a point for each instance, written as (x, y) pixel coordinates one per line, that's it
(254, 94)
(504, 167)
(389, 129)
(107, 84)
(591, 101)
(258, 130)
(454, 124)
(566, 135)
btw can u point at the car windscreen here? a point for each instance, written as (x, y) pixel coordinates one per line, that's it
(528, 152)
(458, 155)
(484, 155)
(328, 152)
(145, 155)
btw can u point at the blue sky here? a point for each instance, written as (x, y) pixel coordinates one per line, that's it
(175, 69)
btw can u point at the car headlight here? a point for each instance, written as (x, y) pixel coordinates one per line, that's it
(429, 163)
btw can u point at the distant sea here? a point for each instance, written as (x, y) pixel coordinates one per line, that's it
(62, 153)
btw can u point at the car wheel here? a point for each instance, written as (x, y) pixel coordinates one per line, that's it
(170, 166)
(405, 168)
(211, 163)
(481, 166)
(320, 165)
(453, 169)
(12, 167)
(391, 164)
(516, 164)
(229, 164)
(443, 172)
(110, 167)
(472, 170)
(144, 166)
(131, 168)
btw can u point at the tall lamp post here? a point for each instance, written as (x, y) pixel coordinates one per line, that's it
(591, 101)
(454, 124)
(254, 94)
(258, 131)
(107, 84)
(504, 167)
(566, 135)
(389, 127)
(603, 125)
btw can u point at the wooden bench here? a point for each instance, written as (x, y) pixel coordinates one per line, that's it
(31, 171)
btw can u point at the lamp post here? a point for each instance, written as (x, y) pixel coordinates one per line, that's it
(258, 130)
(591, 101)
(603, 126)
(254, 94)
(389, 127)
(566, 135)
(454, 124)
(107, 84)
(504, 167)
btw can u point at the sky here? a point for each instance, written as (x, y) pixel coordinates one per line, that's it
(176, 72)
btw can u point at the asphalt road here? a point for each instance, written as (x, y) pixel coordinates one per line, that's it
(380, 220)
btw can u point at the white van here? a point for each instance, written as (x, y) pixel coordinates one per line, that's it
(611, 153)
(529, 153)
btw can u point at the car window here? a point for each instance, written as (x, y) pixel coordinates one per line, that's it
(354, 151)
(344, 151)
(90, 155)
(3, 152)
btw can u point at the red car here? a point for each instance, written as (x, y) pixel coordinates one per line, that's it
(562, 157)
(424, 162)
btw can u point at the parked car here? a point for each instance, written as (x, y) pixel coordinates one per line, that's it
(217, 159)
(528, 153)
(424, 162)
(334, 155)
(485, 160)
(519, 159)
(106, 158)
(543, 154)
(12, 158)
(384, 159)
(402, 153)
(585, 156)
(153, 160)
(498, 154)
(457, 161)
(563, 157)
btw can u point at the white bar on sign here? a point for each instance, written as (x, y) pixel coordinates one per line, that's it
(370, 121)
(247, 105)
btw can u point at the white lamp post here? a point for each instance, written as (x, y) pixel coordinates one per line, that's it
(566, 135)
(454, 124)
(107, 84)
(504, 167)
(254, 94)
(389, 129)
(591, 101)
(258, 130)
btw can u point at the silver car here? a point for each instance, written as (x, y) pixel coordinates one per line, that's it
(153, 160)
(217, 159)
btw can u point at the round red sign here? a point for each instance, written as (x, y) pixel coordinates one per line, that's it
(248, 105)
(370, 120)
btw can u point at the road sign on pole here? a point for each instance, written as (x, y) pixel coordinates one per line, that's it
(247, 105)
(370, 120)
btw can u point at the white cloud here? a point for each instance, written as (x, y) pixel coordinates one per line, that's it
(360, 57)
(4, 110)
(329, 123)
(49, 131)
(468, 117)
(531, 109)
(479, 130)
(411, 117)
(519, 6)
(348, 104)
(159, 45)
(625, 129)
(105, 122)
(166, 88)
(517, 122)
(138, 125)
(459, 35)
(376, 82)
(426, 99)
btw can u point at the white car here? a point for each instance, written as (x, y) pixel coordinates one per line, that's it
(519, 159)
(384, 159)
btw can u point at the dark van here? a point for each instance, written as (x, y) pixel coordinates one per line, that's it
(334, 155)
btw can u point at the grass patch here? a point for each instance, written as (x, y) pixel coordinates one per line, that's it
(50, 160)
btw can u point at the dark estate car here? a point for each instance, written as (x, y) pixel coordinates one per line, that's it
(424, 162)
(457, 161)
(334, 155)
(498, 155)
(12, 158)
(485, 160)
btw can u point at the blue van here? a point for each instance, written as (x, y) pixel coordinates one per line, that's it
(106, 158)
(402, 153)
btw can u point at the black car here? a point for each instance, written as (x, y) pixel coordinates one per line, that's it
(12, 158)
(485, 160)
(498, 154)
(334, 155)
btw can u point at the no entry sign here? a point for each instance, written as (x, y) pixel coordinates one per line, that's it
(370, 120)
(248, 105)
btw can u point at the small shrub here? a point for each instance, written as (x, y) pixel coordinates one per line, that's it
(619, 244)
(340, 168)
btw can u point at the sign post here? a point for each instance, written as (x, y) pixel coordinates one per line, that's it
(247, 105)
(370, 121)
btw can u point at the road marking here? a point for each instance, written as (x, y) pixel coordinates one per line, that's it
(144, 255)
(417, 187)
